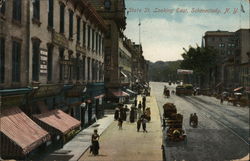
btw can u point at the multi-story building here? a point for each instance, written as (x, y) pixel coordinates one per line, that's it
(125, 57)
(51, 61)
(232, 69)
(238, 68)
(223, 43)
(113, 12)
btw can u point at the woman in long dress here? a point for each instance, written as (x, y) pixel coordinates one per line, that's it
(95, 143)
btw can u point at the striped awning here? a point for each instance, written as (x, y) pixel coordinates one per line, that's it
(59, 120)
(238, 89)
(19, 128)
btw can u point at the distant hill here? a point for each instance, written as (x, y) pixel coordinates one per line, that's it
(163, 71)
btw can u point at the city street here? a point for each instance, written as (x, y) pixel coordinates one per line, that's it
(222, 133)
(128, 144)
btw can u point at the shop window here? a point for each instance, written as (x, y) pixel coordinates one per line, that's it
(16, 55)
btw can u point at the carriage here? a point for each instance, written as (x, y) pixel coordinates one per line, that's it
(173, 124)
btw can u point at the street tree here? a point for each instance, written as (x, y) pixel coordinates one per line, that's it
(200, 60)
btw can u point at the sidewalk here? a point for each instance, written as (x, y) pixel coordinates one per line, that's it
(73, 150)
(128, 144)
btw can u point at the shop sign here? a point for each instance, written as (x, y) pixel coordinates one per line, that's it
(47, 90)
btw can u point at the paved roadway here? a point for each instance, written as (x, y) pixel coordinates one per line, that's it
(128, 144)
(222, 133)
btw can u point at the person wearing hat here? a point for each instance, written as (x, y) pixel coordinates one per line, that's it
(95, 143)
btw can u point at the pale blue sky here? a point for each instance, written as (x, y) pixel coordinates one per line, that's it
(164, 34)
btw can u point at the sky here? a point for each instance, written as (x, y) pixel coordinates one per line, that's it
(168, 26)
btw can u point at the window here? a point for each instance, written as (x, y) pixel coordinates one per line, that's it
(35, 60)
(71, 21)
(61, 56)
(50, 62)
(93, 39)
(2, 9)
(83, 67)
(89, 36)
(107, 4)
(93, 69)
(88, 68)
(96, 42)
(17, 9)
(78, 67)
(108, 34)
(50, 13)
(83, 33)
(2, 57)
(36, 9)
(78, 29)
(16, 54)
(100, 41)
(62, 7)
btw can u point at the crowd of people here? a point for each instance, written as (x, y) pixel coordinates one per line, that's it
(136, 113)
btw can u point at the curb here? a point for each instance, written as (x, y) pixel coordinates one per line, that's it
(90, 143)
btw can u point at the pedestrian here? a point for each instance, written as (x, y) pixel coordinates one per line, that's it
(120, 121)
(221, 100)
(95, 143)
(138, 125)
(132, 115)
(135, 102)
(139, 105)
(143, 103)
(116, 116)
(144, 125)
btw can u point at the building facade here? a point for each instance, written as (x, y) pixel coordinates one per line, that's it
(51, 64)
(232, 69)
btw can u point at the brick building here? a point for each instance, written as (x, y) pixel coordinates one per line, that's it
(51, 64)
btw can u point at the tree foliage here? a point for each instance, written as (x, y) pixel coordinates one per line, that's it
(200, 60)
(164, 71)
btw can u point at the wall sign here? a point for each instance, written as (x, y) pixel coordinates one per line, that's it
(43, 61)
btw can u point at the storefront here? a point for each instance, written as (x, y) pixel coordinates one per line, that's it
(94, 99)
(20, 135)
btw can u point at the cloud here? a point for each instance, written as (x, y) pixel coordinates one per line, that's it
(164, 39)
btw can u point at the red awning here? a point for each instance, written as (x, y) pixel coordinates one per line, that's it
(238, 89)
(100, 96)
(17, 126)
(59, 120)
(120, 93)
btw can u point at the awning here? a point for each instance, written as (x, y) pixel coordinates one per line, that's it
(124, 74)
(18, 127)
(59, 120)
(130, 91)
(238, 89)
(219, 84)
(100, 96)
(120, 93)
